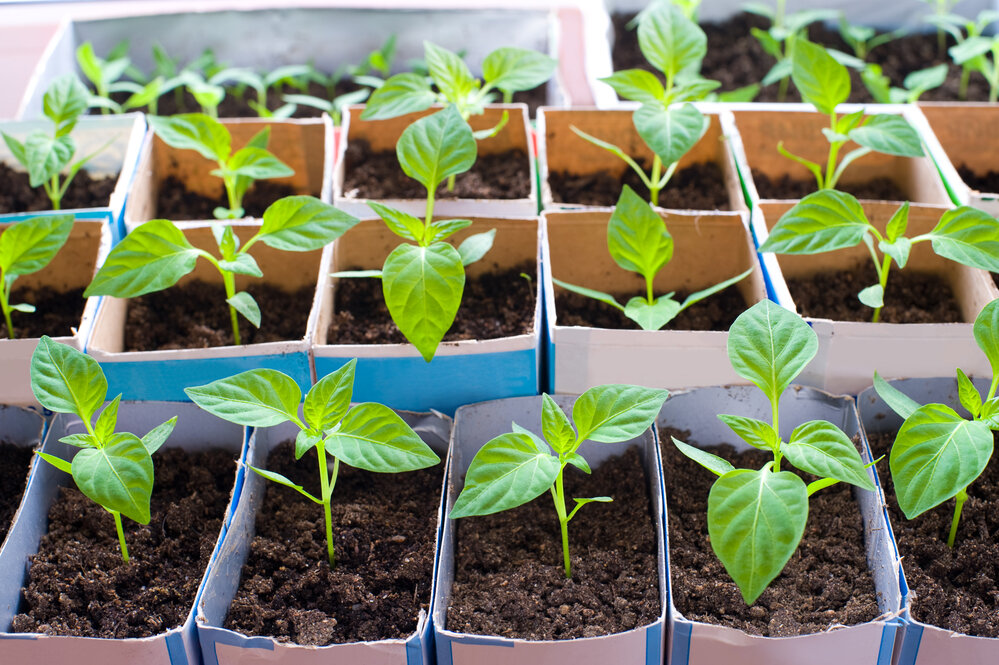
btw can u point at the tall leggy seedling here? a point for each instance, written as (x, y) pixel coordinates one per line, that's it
(756, 518)
(368, 436)
(27, 247)
(114, 469)
(517, 467)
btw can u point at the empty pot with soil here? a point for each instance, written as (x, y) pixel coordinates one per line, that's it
(22, 433)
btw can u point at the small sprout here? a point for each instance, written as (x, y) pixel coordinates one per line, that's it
(157, 254)
(757, 518)
(211, 139)
(963, 30)
(863, 39)
(638, 240)
(942, 19)
(914, 85)
(829, 220)
(368, 436)
(262, 83)
(519, 466)
(978, 52)
(106, 77)
(113, 469)
(937, 454)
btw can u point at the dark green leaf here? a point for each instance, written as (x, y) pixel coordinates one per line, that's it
(373, 437)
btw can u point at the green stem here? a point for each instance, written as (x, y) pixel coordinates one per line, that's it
(5, 302)
(959, 500)
(775, 411)
(326, 487)
(121, 535)
(230, 190)
(450, 182)
(883, 281)
(229, 280)
(54, 194)
(834, 147)
(657, 165)
(782, 89)
(558, 494)
(428, 215)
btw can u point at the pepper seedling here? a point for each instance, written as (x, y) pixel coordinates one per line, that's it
(937, 454)
(638, 240)
(423, 283)
(46, 155)
(980, 53)
(829, 220)
(157, 254)
(26, 247)
(262, 83)
(113, 469)
(824, 83)
(210, 138)
(757, 518)
(913, 86)
(517, 467)
(106, 77)
(963, 30)
(368, 436)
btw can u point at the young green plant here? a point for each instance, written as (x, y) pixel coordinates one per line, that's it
(980, 53)
(263, 82)
(517, 467)
(423, 282)
(638, 240)
(368, 436)
(157, 254)
(210, 138)
(46, 155)
(824, 83)
(113, 469)
(829, 220)
(756, 518)
(937, 454)
(913, 86)
(106, 77)
(26, 247)
(971, 57)
(863, 39)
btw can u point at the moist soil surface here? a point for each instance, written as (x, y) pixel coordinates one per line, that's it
(14, 463)
(78, 583)
(717, 312)
(384, 531)
(196, 316)
(17, 194)
(493, 305)
(57, 312)
(509, 579)
(377, 175)
(912, 297)
(175, 202)
(825, 583)
(982, 182)
(786, 187)
(696, 187)
(951, 588)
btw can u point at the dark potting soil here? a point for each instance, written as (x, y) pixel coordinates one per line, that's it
(982, 182)
(786, 187)
(825, 583)
(509, 579)
(957, 588)
(196, 316)
(384, 531)
(14, 463)
(912, 297)
(493, 305)
(57, 312)
(717, 312)
(377, 175)
(175, 202)
(17, 194)
(696, 187)
(78, 583)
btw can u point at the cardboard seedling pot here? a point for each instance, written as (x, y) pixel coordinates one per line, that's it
(221, 646)
(163, 374)
(925, 644)
(462, 371)
(382, 136)
(305, 145)
(72, 268)
(709, 248)
(23, 428)
(196, 431)
(474, 425)
(849, 352)
(561, 149)
(697, 643)
(125, 133)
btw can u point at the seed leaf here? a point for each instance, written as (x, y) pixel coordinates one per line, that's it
(872, 296)
(254, 398)
(65, 380)
(373, 437)
(616, 412)
(709, 461)
(898, 401)
(244, 303)
(436, 147)
(150, 258)
(968, 236)
(820, 222)
(118, 476)
(822, 449)
(652, 317)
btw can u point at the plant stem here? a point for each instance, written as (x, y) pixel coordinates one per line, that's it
(121, 535)
(775, 410)
(230, 190)
(959, 500)
(428, 215)
(834, 147)
(558, 494)
(229, 280)
(450, 182)
(54, 195)
(657, 165)
(962, 92)
(5, 303)
(326, 487)
(883, 280)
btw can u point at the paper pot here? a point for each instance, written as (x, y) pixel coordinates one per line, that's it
(22, 428)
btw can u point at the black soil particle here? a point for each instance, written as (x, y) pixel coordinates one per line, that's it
(696, 187)
(17, 194)
(57, 312)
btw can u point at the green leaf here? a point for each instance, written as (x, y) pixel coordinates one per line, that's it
(709, 461)
(652, 317)
(637, 85)
(698, 296)
(29, 245)
(327, 402)
(555, 426)
(755, 522)
(104, 427)
(281, 480)
(474, 247)
(194, 131)
(970, 49)
(16, 149)
(400, 223)
(82, 440)
(306, 441)
(898, 223)
(822, 449)
(449, 72)
(89, 63)
(755, 432)
(423, 288)
(896, 400)
(243, 264)
(990, 413)
(507, 472)
(822, 82)
(118, 476)
(821, 222)
(157, 436)
(936, 454)
(65, 380)
(926, 79)
(986, 331)
(446, 228)
(47, 156)
(672, 132)
(590, 293)
(637, 238)
(257, 164)
(244, 303)
(670, 41)
(579, 462)
(57, 462)
(616, 412)
(399, 95)
(436, 147)
(872, 296)
(150, 258)
(968, 236)
(513, 69)
(23, 307)
(889, 134)
(373, 437)
(971, 399)
(898, 250)
(65, 101)
(255, 398)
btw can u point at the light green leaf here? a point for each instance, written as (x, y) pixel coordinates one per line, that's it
(16, 149)
(65, 380)
(652, 317)
(822, 82)
(449, 72)
(872, 296)
(57, 462)
(327, 402)
(672, 132)
(399, 95)
(474, 247)
(616, 412)
(555, 426)
(281, 480)
(157, 436)
(150, 258)
(303, 224)
(257, 164)
(990, 413)
(436, 147)
(968, 236)
(104, 427)
(986, 331)
(971, 399)
(445, 228)
(244, 303)
(400, 223)
(29, 245)
(821, 222)
(889, 134)
(306, 441)
(579, 462)
(89, 63)
(243, 264)
(822, 449)
(255, 398)
(637, 238)
(698, 296)
(118, 476)
(670, 41)
(47, 156)
(513, 69)
(23, 307)
(970, 49)
(926, 79)
(896, 400)
(373, 437)
(637, 85)
(82, 440)
(898, 223)
(65, 101)
(709, 461)
(898, 250)
(590, 293)
(755, 432)
(194, 131)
